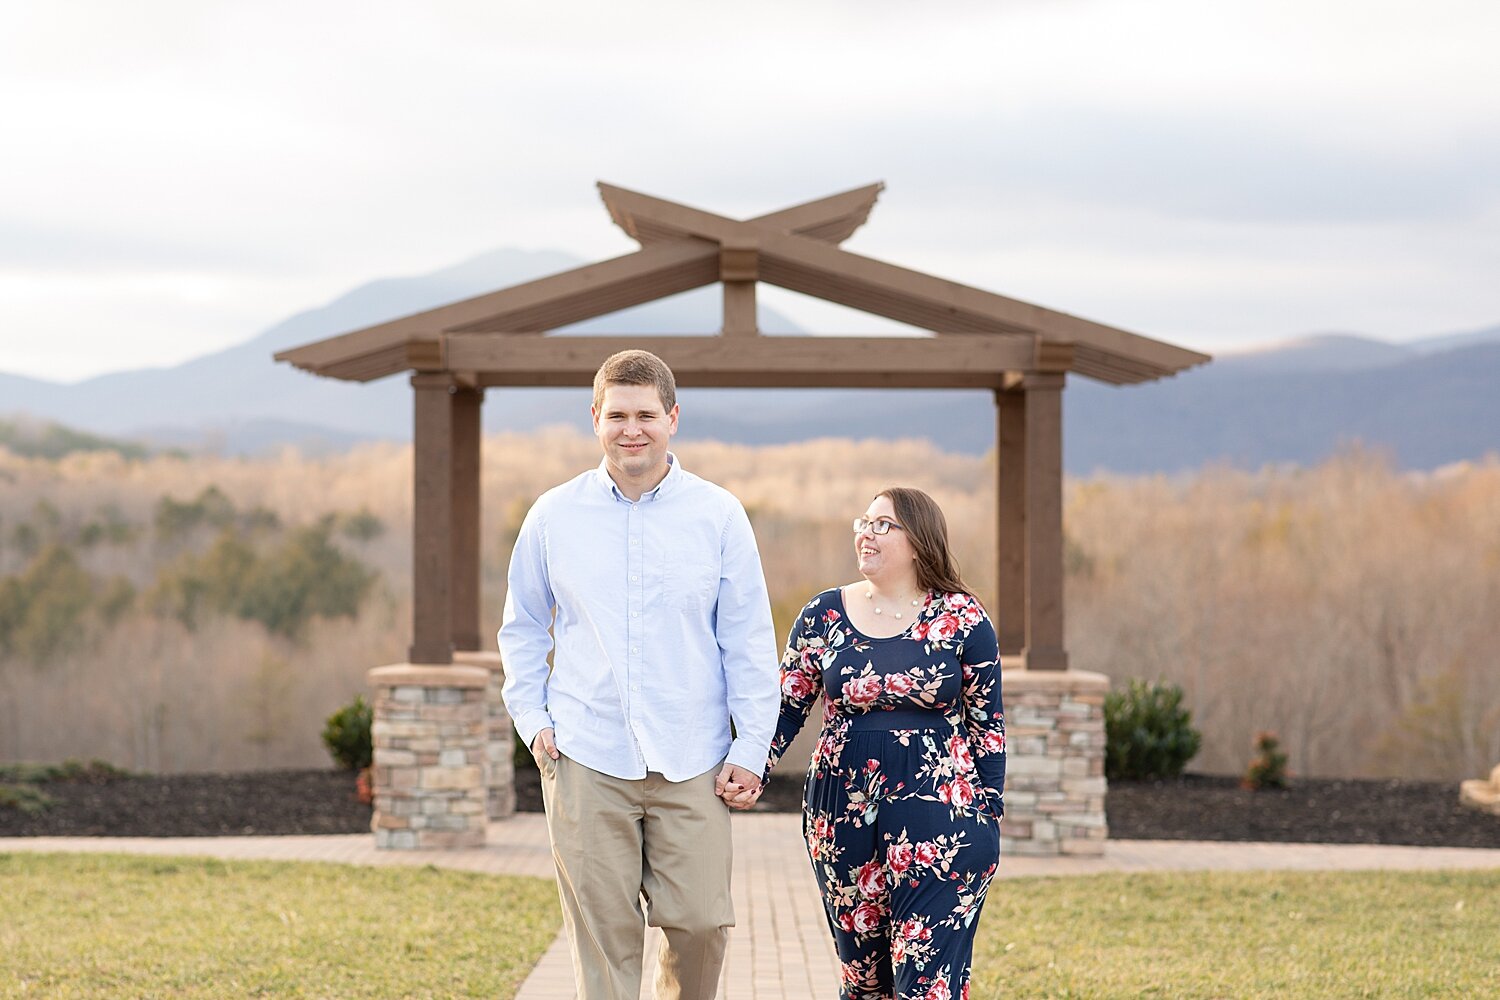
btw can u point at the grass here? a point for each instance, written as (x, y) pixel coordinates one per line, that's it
(24, 798)
(69, 770)
(107, 926)
(110, 926)
(1242, 935)
(17, 781)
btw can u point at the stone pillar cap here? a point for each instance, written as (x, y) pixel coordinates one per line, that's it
(1016, 677)
(478, 658)
(427, 675)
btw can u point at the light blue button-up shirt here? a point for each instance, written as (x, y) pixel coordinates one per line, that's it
(662, 633)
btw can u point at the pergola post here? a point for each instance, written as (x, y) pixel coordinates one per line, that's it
(739, 269)
(1009, 611)
(1043, 524)
(464, 585)
(432, 519)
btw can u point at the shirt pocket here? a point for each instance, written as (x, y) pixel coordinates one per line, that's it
(691, 588)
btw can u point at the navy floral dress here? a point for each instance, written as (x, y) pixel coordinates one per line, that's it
(904, 791)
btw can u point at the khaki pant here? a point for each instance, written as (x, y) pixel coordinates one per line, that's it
(616, 841)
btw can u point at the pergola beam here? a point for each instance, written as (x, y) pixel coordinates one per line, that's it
(754, 361)
(830, 220)
(558, 300)
(793, 261)
(686, 248)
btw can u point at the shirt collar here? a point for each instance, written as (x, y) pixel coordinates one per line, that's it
(667, 484)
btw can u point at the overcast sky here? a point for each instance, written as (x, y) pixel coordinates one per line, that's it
(175, 177)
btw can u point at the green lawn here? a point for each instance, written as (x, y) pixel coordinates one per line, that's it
(1242, 935)
(74, 925)
(110, 926)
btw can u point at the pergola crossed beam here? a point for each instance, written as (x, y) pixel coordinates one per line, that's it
(1020, 351)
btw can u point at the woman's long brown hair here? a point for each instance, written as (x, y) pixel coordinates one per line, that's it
(927, 529)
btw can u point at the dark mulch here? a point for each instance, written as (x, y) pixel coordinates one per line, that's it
(195, 805)
(1312, 810)
(1194, 807)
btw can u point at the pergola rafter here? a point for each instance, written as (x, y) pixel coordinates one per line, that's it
(978, 339)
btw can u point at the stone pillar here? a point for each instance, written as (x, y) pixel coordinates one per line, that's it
(500, 745)
(429, 756)
(1054, 761)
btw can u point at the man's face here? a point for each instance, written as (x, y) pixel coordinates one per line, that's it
(634, 430)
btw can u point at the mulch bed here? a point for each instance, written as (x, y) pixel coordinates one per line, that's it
(1312, 810)
(1194, 807)
(195, 805)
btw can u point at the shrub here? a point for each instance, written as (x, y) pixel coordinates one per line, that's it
(24, 798)
(1268, 768)
(347, 735)
(1148, 734)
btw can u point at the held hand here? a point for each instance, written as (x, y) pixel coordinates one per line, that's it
(545, 742)
(745, 799)
(737, 787)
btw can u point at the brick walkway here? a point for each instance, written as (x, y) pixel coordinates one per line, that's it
(781, 948)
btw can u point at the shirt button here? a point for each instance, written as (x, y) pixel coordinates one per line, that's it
(635, 649)
(635, 614)
(635, 687)
(633, 578)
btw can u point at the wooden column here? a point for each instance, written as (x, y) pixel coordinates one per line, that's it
(464, 586)
(1044, 529)
(432, 519)
(739, 269)
(1009, 610)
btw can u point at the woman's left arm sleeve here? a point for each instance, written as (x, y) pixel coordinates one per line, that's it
(984, 711)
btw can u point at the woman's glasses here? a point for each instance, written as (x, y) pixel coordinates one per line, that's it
(876, 527)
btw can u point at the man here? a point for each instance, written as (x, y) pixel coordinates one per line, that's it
(662, 637)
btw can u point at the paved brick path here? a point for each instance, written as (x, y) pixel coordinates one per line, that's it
(781, 949)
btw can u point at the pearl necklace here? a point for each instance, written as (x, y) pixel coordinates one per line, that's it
(870, 596)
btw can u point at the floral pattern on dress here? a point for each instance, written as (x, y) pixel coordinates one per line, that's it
(904, 790)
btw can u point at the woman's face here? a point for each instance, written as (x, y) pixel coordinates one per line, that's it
(882, 555)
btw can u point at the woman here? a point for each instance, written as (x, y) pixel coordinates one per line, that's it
(903, 798)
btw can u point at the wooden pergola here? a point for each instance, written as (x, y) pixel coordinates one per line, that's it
(979, 340)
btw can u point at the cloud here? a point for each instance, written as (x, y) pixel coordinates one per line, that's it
(34, 247)
(1221, 167)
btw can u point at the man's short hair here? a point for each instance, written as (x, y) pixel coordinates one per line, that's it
(636, 368)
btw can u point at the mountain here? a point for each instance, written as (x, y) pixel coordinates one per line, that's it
(1427, 402)
(239, 400)
(1322, 352)
(1424, 411)
(1447, 342)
